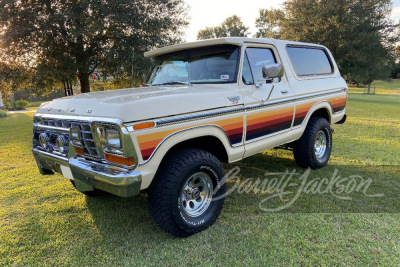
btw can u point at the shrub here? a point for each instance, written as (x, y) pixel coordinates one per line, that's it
(8, 105)
(3, 114)
(20, 104)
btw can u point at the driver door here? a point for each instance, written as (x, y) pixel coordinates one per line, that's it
(267, 114)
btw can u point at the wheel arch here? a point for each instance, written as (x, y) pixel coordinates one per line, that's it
(322, 112)
(321, 109)
(210, 138)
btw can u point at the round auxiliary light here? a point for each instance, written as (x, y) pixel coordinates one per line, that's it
(44, 141)
(61, 144)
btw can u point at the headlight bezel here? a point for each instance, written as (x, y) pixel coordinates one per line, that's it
(122, 151)
(113, 146)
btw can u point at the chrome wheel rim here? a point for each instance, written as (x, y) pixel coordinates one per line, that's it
(320, 144)
(196, 194)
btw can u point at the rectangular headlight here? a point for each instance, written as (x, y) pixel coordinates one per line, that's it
(110, 138)
(113, 139)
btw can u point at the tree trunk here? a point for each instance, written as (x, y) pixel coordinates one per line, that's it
(84, 81)
(12, 100)
(69, 85)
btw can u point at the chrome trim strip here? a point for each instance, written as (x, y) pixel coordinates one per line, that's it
(40, 152)
(51, 128)
(198, 115)
(293, 99)
(79, 118)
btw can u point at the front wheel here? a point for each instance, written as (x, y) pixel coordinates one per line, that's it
(186, 196)
(314, 148)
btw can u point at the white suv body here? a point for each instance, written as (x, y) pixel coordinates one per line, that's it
(235, 97)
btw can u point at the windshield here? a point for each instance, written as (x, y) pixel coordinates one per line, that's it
(212, 64)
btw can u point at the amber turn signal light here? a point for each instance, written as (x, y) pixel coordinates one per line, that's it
(143, 125)
(120, 160)
(79, 150)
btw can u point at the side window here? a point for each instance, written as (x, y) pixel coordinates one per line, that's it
(308, 61)
(257, 58)
(247, 77)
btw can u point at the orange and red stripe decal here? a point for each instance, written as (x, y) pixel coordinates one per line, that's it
(267, 122)
(337, 103)
(233, 128)
(258, 124)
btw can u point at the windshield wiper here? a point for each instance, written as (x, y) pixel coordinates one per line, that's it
(172, 83)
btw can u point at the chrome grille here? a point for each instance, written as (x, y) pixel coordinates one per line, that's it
(46, 125)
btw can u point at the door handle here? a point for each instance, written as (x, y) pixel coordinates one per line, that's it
(284, 91)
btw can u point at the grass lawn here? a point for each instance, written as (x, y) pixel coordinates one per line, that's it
(390, 87)
(44, 221)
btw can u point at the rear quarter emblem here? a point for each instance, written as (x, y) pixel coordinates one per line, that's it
(235, 99)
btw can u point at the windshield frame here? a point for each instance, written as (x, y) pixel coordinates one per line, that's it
(237, 67)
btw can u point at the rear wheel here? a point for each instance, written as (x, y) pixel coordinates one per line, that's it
(314, 148)
(186, 196)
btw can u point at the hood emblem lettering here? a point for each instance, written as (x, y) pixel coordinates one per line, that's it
(89, 111)
(72, 110)
(235, 99)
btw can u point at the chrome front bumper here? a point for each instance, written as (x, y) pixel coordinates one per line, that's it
(88, 175)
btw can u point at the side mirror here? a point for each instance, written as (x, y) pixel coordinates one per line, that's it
(272, 71)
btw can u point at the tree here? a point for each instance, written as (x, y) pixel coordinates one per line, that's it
(85, 35)
(13, 77)
(268, 23)
(359, 33)
(232, 26)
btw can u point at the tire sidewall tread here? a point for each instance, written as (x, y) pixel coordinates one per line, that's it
(166, 187)
(303, 149)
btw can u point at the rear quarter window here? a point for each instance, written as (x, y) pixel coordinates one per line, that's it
(308, 61)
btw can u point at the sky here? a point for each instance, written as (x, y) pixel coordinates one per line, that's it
(208, 13)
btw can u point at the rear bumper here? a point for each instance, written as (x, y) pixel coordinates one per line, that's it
(88, 175)
(343, 120)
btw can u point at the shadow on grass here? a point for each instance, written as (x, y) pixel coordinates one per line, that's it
(118, 217)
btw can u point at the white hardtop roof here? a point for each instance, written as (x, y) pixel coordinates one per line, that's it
(219, 41)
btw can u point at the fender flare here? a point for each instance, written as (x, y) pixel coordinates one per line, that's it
(183, 135)
(324, 104)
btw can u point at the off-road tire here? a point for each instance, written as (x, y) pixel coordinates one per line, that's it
(94, 193)
(303, 149)
(165, 192)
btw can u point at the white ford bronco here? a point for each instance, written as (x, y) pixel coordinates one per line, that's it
(204, 103)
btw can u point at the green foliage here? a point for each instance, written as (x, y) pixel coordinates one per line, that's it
(20, 104)
(268, 23)
(72, 39)
(8, 105)
(3, 114)
(359, 34)
(13, 76)
(232, 26)
(34, 104)
(395, 73)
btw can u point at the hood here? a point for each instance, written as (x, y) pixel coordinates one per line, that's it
(136, 104)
